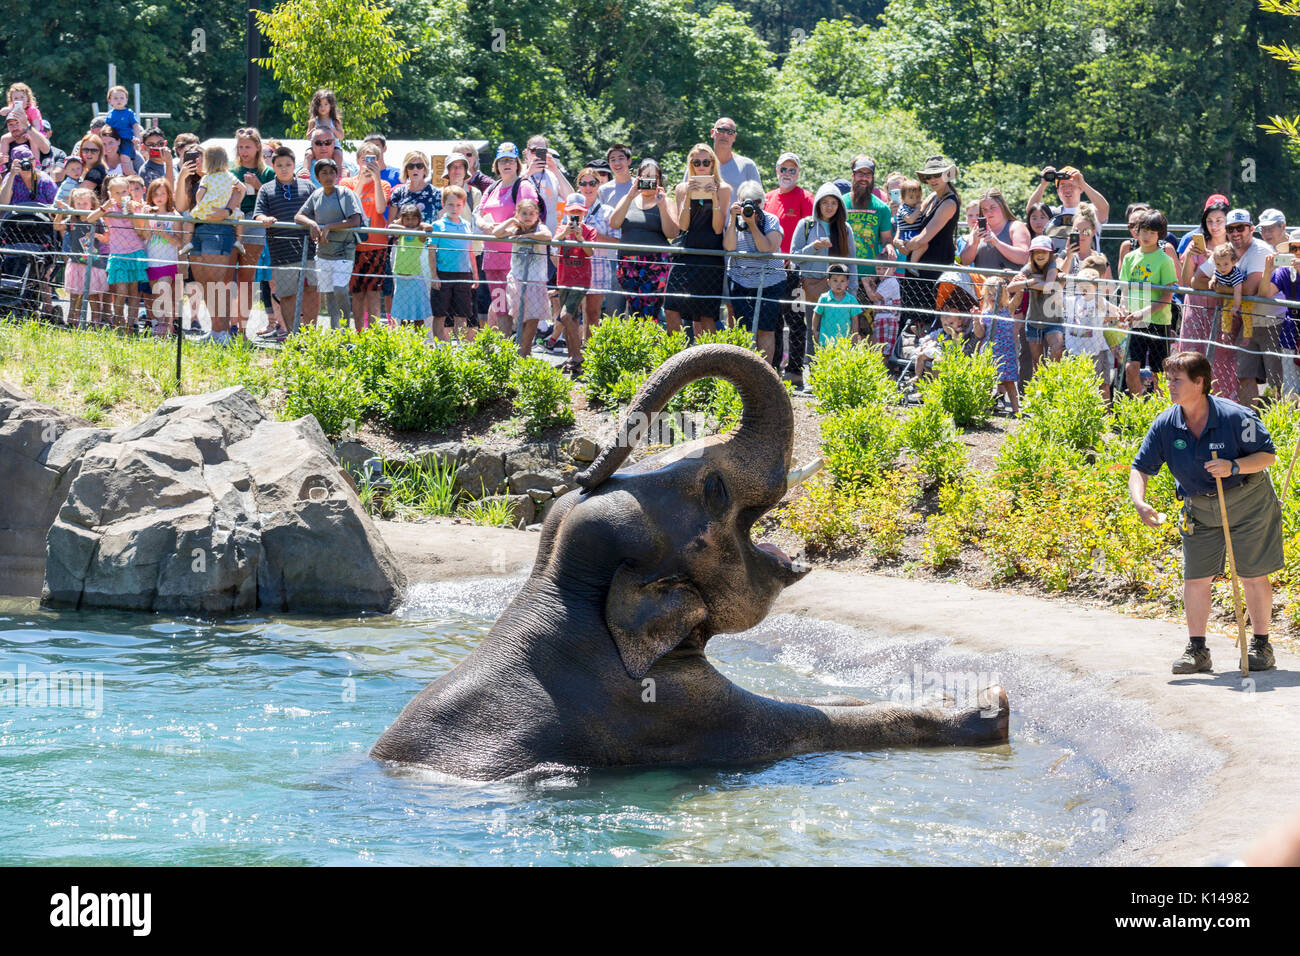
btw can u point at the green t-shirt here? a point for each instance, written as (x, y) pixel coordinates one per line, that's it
(408, 250)
(1142, 270)
(836, 316)
(250, 195)
(867, 226)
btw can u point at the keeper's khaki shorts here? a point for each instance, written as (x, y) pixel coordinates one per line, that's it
(1255, 517)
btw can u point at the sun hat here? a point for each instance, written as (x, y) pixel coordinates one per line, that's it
(1237, 217)
(1041, 242)
(1272, 217)
(938, 166)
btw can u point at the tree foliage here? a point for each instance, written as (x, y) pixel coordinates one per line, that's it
(344, 45)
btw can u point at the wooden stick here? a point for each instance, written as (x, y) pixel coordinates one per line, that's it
(1232, 571)
(1286, 485)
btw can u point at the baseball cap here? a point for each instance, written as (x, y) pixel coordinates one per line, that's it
(791, 158)
(575, 203)
(599, 165)
(1041, 242)
(20, 152)
(865, 162)
(1238, 216)
(507, 151)
(1068, 170)
(1272, 217)
(1216, 198)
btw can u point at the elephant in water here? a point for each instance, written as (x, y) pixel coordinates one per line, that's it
(599, 660)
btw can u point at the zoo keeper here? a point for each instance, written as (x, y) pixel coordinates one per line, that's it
(1183, 437)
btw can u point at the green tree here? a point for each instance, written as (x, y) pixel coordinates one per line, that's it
(344, 45)
(1283, 53)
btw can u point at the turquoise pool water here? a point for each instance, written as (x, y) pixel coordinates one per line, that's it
(245, 742)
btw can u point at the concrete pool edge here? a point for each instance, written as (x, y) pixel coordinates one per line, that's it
(1254, 789)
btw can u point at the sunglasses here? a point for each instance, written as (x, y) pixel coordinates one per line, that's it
(701, 163)
(1239, 227)
(729, 130)
(787, 171)
(415, 165)
(588, 182)
(322, 142)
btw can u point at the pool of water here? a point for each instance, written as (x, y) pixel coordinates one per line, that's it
(245, 742)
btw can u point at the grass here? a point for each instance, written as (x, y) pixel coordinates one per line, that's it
(111, 379)
(421, 488)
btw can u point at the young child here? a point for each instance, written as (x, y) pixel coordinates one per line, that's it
(526, 295)
(952, 328)
(328, 208)
(907, 222)
(325, 114)
(73, 169)
(1037, 279)
(455, 273)
(162, 269)
(1088, 314)
(886, 296)
(573, 275)
(996, 329)
(80, 237)
(216, 188)
(410, 293)
(837, 311)
(123, 120)
(1227, 272)
(21, 98)
(126, 252)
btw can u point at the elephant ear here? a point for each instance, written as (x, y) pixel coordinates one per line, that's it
(648, 618)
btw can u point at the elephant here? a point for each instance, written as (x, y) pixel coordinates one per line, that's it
(599, 660)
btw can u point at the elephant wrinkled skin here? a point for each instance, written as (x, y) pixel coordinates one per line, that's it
(599, 660)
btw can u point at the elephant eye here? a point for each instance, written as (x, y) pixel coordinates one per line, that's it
(716, 498)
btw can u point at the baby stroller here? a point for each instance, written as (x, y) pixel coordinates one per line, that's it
(955, 292)
(26, 265)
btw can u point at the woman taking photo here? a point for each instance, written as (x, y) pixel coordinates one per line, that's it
(1201, 330)
(701, 202)
(371, 263)
(252, 171)
(602, 261)
(646, 217)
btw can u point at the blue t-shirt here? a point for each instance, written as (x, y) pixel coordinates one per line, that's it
(836, 316)
(1231, 430)
(454, 253)
(123, 123)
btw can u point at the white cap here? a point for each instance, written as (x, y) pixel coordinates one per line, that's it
(789, 158)
(1041, 242)
(1272, 217)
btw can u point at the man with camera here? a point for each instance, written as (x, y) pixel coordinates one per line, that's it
(1070, 187)
(159, 158)
(24, 184)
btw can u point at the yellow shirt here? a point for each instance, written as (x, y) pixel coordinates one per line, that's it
(217, 189)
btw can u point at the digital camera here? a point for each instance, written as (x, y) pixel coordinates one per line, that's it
(750, 207)
(643, 184)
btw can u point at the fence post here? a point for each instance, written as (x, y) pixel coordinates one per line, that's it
(302, 285)
(85, 292)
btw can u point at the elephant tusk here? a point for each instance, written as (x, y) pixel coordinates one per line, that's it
(801, 474)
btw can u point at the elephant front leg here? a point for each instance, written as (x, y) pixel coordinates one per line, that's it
(874, 726)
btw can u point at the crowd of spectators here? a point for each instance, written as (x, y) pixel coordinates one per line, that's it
(1030, 289)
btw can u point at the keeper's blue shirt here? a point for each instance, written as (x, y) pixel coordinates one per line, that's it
(1231, 430)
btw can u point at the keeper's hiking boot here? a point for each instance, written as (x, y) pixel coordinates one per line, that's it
(1260, 656)
(1194, 660)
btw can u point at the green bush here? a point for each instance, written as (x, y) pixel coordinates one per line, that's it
(963, 384)
(858, 444)
(420, 390)
(314, 369)
(1063, 402)
(487, 364)
(542, 395)
(930, 434)
(844, 375)
(619, 345)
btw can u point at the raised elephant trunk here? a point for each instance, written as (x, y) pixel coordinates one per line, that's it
(761, 444)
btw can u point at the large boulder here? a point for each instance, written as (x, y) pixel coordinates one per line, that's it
(207, 506)
(40, 452)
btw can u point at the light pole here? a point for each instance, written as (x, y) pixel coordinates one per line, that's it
(252, 50)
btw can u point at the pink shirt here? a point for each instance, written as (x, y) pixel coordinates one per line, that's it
(122, 237)
(498, 206)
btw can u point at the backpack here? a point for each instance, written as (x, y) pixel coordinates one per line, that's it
(514, 196)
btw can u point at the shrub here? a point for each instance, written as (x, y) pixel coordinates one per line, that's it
(619, 345)
(542, 395)
(844, 375)
(420, 390)
(931, 435)
(824, 516)
(859, 443)
(487, 365)
(963, 385)
(315, 372)
(1063, 402)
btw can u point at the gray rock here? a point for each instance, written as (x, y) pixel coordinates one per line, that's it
(209, 507)
(352, 455)
(521, 482)
(40, 453)
(582, 449)
(481, 473)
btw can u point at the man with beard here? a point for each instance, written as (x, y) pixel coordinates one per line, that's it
(869, 219)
